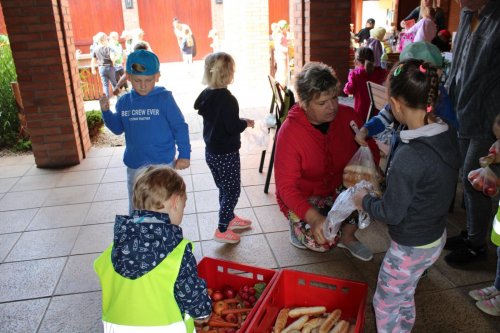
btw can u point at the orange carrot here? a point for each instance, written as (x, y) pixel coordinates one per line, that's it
(217, 323)
(242, 310)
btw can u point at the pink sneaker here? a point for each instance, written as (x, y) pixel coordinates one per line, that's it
(239, 223)
(226, 237)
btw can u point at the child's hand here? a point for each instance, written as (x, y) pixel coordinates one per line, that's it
(104, 102)
(361, 136)
(493, 157)
(250, 123)
(204, 320)
(358, 198)
(116, 91)
(181, 164)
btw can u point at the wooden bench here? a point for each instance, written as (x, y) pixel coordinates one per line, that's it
(378, 98)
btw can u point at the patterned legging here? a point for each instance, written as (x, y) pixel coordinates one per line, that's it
(226, 171)
(399, 274)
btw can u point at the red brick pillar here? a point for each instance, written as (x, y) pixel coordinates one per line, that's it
(41, 39)
(321, 31)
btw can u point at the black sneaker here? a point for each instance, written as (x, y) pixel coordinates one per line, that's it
(466, 255)
(456, 242)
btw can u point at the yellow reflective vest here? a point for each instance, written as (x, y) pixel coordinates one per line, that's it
(146, 301)
(495, 233)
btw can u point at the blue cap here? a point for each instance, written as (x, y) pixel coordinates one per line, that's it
(142, 62)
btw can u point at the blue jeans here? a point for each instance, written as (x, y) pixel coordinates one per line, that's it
(478, 207)
(131, 174)
(107, 74)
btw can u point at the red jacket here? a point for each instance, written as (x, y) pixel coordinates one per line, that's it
(309, 163)
(356, 85)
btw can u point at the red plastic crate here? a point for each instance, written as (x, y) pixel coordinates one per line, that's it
(295, 289)
(219, 273)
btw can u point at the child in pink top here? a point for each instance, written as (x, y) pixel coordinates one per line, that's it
(425, 29)
(356, 82)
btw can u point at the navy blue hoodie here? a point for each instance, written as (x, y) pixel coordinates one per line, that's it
(222, 124)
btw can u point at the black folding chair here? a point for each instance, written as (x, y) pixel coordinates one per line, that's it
(282, 100)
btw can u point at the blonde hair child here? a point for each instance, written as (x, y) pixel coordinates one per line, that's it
(222, 127)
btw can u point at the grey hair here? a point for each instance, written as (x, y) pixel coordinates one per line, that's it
(313, 79)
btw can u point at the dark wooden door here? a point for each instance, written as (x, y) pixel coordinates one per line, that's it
(405, 7)
(156, 20)
(90, 17)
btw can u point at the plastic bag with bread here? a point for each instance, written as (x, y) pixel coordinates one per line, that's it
(362, 167)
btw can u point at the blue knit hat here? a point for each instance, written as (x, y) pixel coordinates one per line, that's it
(142, 62)
(423, 51)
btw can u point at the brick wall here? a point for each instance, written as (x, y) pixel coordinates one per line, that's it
(321, 29)
(44, 54)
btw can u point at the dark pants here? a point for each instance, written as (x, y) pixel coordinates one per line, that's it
(478, 206)
(226, 171)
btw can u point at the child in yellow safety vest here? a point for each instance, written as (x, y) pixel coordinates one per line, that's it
(488, 298)
(148, 275)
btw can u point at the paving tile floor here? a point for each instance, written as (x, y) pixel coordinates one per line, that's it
(51, 231)
(55, 222)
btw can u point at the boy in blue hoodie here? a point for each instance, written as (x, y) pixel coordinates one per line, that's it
(150, 118)
(149, 275)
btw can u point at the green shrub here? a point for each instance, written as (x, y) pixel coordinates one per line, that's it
(22, 145)
(94, 122)
(9, 121)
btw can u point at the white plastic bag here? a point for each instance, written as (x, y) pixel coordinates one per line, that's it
(343, 207)
(270, 120)
(255, 140)
(361, 167)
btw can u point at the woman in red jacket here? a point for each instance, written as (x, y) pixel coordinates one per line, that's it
(314, 145)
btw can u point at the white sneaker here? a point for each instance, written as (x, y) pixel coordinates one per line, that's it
(484, 293)
(490, 306)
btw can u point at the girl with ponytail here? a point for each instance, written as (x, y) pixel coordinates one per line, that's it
(356, 82)
(421, 182)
